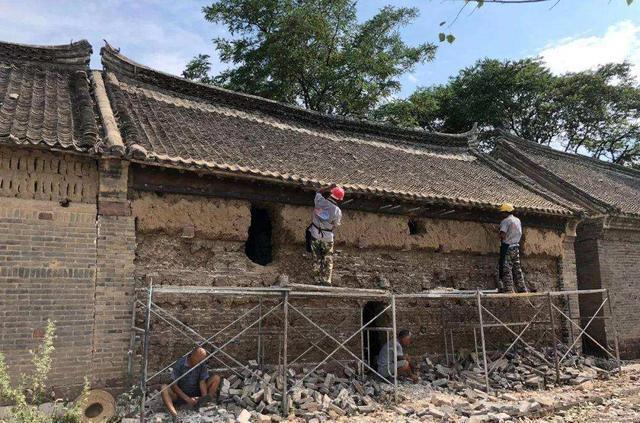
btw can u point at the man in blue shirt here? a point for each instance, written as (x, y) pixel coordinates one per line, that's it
(195, 388)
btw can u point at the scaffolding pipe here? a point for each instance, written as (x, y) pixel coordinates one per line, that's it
(484, 348)
(553, 339)
(584, 330)
(132, 340)
(145, 351)
(207, 340)
(213, 353)
(615, 331)
(341, 345)
(584, 333)
(258, 359)
(361, 368)
(285, 339)
(395, 347)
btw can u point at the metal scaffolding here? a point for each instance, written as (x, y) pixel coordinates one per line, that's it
(283, 311)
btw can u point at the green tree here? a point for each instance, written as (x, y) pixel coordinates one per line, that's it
(600, 113)
(422, 109)
(512, 95)
(594, 112)
(198, 69)
(313, 52)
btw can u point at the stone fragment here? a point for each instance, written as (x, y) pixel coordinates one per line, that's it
(263, 418)
(478, 418)
(244, 417)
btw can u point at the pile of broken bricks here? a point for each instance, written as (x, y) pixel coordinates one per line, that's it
(458, 390)
(256, 395)
(520, 369)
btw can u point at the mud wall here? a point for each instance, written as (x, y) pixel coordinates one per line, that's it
(191, 240)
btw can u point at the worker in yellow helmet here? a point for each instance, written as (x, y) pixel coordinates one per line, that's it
(510, 270)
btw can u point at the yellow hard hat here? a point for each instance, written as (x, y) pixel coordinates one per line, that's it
(506, 207)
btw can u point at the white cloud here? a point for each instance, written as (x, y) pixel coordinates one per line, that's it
(619, 43)
(413, 78)
(161, 35)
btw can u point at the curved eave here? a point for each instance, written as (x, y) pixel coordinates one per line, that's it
(587, 161)
(122, 66)
(145, 158)
(12, 141)
(75, 54)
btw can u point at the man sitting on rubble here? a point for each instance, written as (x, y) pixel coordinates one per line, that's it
(510, 270)
(404, 365)
(194, 389)
(326, 216)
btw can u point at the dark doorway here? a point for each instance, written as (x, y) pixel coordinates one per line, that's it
(258, 245)
(374, 340)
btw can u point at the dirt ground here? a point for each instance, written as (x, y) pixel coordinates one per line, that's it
(614, 400)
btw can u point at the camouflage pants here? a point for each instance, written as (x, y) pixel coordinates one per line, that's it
(322, 261)
(511, 272)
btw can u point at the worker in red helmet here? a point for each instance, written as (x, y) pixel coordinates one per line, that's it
(326, 216)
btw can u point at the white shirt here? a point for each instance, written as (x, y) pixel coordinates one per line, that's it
(385, 357)
(326, 216)
(512, 228)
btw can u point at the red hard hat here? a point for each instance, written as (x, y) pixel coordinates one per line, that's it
(337, 193)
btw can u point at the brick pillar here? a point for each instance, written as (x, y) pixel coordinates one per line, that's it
(569, 282)
(114, 277)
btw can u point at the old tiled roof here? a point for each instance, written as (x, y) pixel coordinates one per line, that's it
(45, 96)
(606, 187)
(171, 121)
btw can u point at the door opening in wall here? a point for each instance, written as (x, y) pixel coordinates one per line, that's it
(376, 333)
(258, 246)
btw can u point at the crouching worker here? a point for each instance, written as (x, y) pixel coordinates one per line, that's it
(404, 365)
(194, 389)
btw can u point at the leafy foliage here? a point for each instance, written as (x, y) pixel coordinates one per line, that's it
(595, 112)
(32, 390)
(313, 53)
(600, 113)
(198, 69)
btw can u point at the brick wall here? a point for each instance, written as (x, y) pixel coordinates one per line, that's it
(113, 299)
(114, 280)
(61, 258)
(41, 175)
(619, 253)
(47, 271)
(610, 258)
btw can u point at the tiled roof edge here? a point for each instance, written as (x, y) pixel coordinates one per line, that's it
(76, 54)
(504, 143)
(121, 65)
(138, 154)
(589, 161)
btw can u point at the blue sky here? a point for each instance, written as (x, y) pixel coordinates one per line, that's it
(574, 35)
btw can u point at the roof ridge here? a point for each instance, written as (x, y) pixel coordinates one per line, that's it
(574, 156)
(116, 62)
(75, 54)
(560, 182)
(498, 167)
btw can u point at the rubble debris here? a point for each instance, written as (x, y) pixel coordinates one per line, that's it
(520, 369)
(456, 390)
(321, 396)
